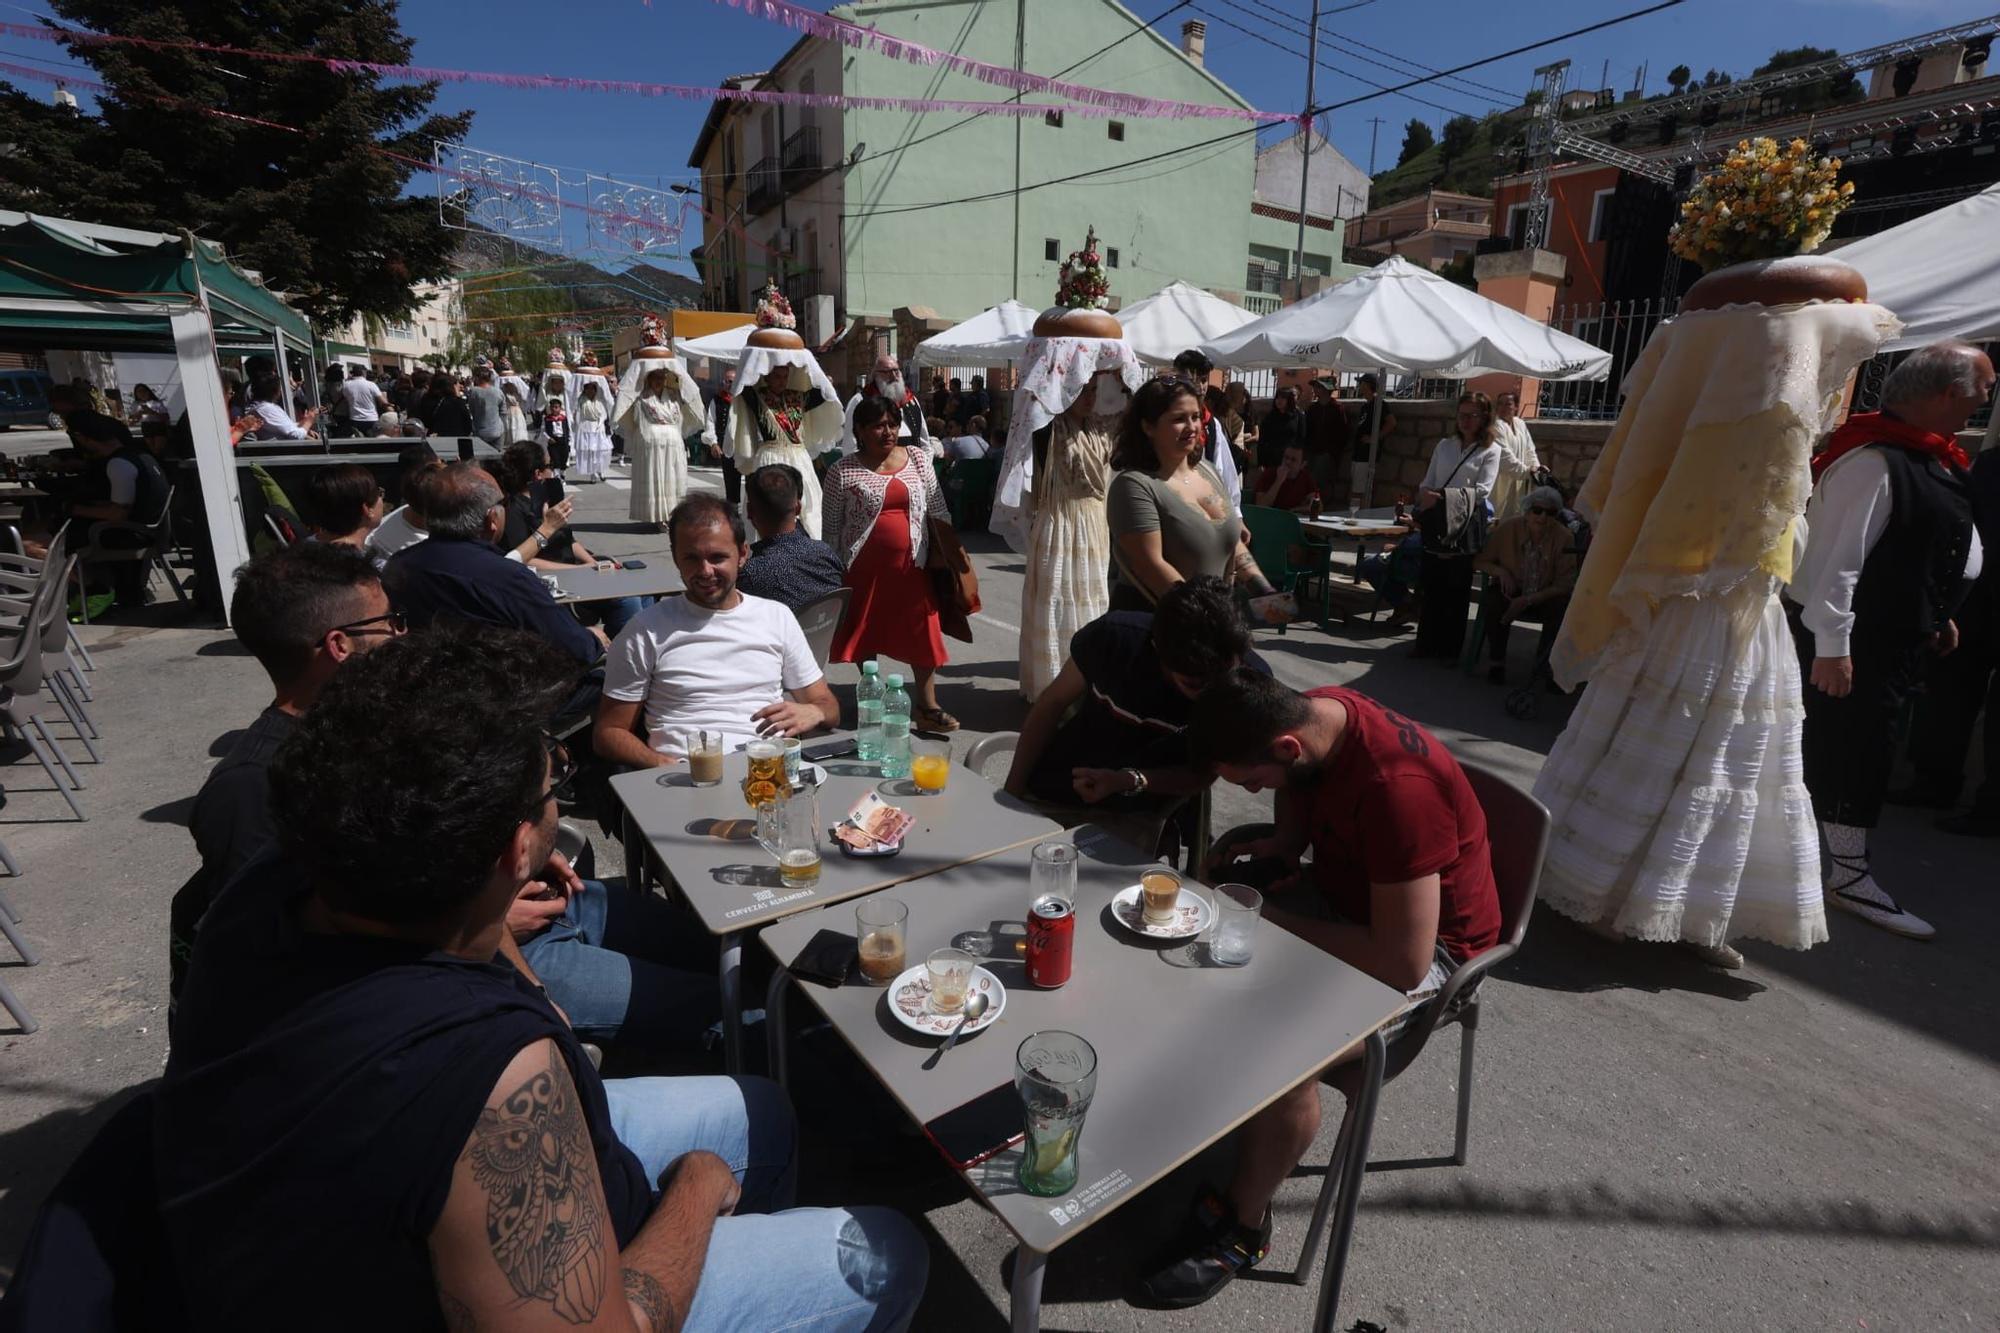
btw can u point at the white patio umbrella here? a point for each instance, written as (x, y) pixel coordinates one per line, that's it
(1405, 319)
(725, 347)
(990, 338)
(1939, 273)
(1177, 317)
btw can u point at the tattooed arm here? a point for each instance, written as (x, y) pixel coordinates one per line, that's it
(525, 1241)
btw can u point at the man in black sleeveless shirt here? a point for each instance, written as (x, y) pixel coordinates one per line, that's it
(1890, 550)
(371, 1119)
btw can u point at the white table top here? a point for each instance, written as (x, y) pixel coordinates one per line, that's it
(705, 837)
(587, 583)
(1187, 1050)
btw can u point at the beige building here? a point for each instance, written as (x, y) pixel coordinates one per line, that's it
(405, 343)
(1432, 228)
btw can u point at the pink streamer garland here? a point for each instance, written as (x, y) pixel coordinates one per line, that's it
(1109, 104)
(801, 19)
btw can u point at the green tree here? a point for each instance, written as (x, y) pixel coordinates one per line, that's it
(1830, 91)
(513, 315)
(1715, 78)
(1677, 78)
(1417, 138)
(1459, 132)
(317, 207)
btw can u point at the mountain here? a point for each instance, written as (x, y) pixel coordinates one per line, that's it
(643, 286)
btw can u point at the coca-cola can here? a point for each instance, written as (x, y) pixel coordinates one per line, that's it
(1051, 941)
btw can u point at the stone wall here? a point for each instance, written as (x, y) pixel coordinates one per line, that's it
(1567, 448)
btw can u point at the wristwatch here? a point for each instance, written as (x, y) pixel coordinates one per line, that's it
(1138, 780)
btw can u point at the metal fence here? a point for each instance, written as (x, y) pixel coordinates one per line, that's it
(1621, 328)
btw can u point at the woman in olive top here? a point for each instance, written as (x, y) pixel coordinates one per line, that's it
(1169, 515)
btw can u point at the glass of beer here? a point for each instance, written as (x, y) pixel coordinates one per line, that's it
(880, 931)
(1160, 895)
(788, 828)
(951, 977)
(930, 763)
(704, 756)
(766, 779)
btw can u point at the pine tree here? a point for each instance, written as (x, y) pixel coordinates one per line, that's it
(317, 208)
(1417, 138)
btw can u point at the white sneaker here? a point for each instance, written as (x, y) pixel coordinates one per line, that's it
(1715, 955)
(1864, 898)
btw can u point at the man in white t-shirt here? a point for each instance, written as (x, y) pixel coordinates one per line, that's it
(361, 402)
(714, 658)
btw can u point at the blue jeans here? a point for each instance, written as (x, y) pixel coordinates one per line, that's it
(1393, 573)
(817, 1269)
(626, 966)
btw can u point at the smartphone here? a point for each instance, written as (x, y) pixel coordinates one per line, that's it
(631, 564)
(827, 958)
(552, 491)
(834, 749)
(988, 1124)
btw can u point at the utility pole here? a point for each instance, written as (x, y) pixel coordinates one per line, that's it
(1306, 138)
(1020, 64)
(1374, 124)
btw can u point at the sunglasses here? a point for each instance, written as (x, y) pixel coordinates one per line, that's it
(393, 622)
(561, 769)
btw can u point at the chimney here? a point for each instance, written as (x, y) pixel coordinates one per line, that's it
(1194, 40)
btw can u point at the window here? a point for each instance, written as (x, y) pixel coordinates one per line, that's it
(1517, 223)
(1111, 257)
(1118, 131)
(1600, 214)
(1053, 118)
(1051, 248)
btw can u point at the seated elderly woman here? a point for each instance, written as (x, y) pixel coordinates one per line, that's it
(1531, 565)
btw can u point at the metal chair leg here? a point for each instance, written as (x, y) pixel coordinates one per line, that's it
(76, 724)
(775, 1052)
(180, 594)
(76, 678)
(82, 648)
(1468, 1032)
(42, 755)
(18, 940)
(20, 1011)
(1375, 1059)
(55, 748)
(13, 866)
(1329, 1189)
(66, 695)
(7, 910)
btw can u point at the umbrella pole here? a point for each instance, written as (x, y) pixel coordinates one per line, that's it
(1361, 479)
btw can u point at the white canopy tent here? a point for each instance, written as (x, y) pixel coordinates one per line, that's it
(992, 337)
(1177, 317)
(1404, 319)
(1939, 273)
(725, 347)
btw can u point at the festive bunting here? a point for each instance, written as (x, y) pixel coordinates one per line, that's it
(1109, 104)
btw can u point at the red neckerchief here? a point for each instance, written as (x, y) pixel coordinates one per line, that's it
(873, 390)
(1866, 428)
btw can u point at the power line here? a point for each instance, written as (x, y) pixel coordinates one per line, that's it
(1332, 69)
(1418, 64)
(1253, 129)
(1477, 90)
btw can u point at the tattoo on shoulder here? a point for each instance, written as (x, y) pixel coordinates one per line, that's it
(644, 1291)
(458, 1316)
(544, 1219)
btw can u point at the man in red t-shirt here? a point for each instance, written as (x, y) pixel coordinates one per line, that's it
(1399, 853)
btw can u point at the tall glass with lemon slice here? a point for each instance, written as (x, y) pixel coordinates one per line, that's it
(1056, 1075)
(930, 763)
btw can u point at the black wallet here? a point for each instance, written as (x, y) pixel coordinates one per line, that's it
(827, 958)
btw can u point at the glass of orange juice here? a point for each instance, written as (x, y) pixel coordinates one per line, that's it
(930, 763)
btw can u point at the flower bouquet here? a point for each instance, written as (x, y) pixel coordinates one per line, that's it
(1763, 202)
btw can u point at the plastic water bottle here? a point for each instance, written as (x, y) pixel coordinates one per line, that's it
(895, 729)
(868, 715)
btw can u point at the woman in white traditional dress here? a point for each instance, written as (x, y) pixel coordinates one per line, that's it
(658, 406)
(786, 409)
(1053, 477)
(593, 428)
(1678, 791)
(1518, 460)
(513, 416)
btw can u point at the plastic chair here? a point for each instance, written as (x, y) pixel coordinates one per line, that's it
(821, 621)
(157, 540)
(21, 680)
(1517, 829)
(53, 625)
(1276, 537)
(76, 654)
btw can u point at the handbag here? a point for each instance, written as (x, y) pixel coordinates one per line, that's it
(954, 583)
(1434, 523)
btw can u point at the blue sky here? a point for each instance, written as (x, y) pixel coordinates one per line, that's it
(699, 41)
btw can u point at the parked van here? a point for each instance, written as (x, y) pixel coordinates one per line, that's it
(24, 400)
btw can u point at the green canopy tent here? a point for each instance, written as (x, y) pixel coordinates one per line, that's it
(66, 284)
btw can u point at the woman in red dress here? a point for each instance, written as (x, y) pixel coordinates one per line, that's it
(878, 502)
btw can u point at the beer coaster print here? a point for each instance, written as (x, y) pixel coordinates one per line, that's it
(909, 1000)
(1191, 917)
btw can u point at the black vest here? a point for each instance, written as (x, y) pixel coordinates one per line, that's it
(1913, 579)
(149, 498)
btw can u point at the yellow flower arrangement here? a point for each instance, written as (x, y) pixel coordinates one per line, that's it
(1763, 202)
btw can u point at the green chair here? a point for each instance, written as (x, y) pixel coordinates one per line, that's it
(1279, 544)
(968, 492)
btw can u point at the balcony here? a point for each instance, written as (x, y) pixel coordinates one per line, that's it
(800, 285)
(762, 189)
(1262, 278)
(1262, 303)
(800, 155)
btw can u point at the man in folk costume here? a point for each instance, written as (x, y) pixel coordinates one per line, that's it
(1891, 552)
(1677, 788)
(1077, 373)
(786, 410)
(887, 382)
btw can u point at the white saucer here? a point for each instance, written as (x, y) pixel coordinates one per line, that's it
(1191, 916)
(909, 1001)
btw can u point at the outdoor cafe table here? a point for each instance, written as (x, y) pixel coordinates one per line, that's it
(705, 839)
(1338, 527)
(1187, 1050)
(587, 583)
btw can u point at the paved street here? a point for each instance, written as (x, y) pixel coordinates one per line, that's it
(1806, 1144)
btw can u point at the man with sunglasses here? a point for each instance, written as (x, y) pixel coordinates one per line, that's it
(1530, 566)
(301, 611)
(368, 1108)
